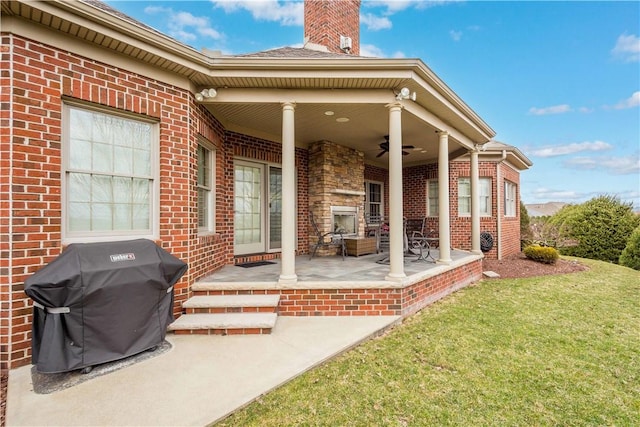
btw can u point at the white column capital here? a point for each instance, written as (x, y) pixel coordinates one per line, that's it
(395, 105)
(443, 134)
(288, 105)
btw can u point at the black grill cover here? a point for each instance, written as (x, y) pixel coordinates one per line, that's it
(99, 302)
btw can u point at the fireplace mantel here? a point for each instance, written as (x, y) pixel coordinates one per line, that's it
(348, 192)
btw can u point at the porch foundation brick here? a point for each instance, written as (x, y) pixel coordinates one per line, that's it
(369, 301)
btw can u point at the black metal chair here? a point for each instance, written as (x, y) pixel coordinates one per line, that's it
(419, 242)
(324, 240)
(373, 228)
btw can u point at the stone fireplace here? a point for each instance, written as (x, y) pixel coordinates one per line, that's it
(345, 219)
(336, 188)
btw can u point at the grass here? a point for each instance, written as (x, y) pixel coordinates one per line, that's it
(552, 350)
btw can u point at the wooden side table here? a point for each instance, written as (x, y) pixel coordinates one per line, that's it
(357, 246)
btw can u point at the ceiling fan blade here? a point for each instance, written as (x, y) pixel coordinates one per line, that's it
(404, 153)
(408, 147)
(380, 153)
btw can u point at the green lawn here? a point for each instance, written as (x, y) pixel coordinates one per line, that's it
(552, 350)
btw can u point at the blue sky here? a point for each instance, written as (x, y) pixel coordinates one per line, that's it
(560, 80)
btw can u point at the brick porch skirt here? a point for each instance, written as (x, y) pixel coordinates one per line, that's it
(376, 298)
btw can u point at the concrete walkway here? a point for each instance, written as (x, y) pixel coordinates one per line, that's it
(200, 380)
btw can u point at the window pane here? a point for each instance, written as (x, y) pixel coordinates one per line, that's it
(79, 215)
(79, 188)
(80, 154)
(432, 190)
(202, 208)
(124, 160)
(101, 217)
(122, 216)
(101, 156)
(108, 181)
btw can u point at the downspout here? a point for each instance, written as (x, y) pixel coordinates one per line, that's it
(499, 203)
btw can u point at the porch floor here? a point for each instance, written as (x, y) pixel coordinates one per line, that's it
(332, 269)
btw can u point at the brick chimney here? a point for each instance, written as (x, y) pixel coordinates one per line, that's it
(334, 24)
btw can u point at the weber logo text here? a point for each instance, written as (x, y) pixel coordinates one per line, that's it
(122, 257)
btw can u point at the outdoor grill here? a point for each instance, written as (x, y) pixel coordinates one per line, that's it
(99, 302)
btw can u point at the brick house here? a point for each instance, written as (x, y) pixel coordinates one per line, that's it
(112, 130)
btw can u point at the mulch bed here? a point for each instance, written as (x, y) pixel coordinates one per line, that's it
(518, 265)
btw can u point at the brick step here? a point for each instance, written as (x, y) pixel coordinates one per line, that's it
(224, 323)
(231, 304)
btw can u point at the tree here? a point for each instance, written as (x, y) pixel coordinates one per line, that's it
(597, 229)
(630, 256)
(525, 226)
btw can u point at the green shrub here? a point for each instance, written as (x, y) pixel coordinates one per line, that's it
(630, 256)
(543, 254)
(525, 227)
(597, 229)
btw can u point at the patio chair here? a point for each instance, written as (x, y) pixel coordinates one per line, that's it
(418, 241)
(373, 228)
(324, 240)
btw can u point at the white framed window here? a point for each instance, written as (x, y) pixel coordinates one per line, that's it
(464, 196)
(206, 184)
(373, 199)
(110, 175)
(509, 199)
(432, 198)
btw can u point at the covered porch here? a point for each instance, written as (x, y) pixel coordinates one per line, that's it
(355, 286)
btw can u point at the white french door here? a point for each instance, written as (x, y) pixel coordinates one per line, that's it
(257, 207)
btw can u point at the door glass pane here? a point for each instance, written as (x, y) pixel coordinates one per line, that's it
(247, 204)
(275, 208)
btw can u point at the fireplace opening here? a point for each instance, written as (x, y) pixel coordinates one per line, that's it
(344, 219)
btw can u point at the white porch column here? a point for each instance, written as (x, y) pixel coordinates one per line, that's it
(443, 199)
(396, 229)
(475, 203)
(288, 255)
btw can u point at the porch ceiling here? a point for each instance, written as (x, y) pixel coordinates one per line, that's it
(365, 130)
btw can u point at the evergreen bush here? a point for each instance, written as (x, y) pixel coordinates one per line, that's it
(630, 256)
(597, 229)
(525, 227)
(543, 254)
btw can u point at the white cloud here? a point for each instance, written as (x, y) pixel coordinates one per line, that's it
(455, 35)
(631, 102)
(285, 12)
(375, 23)
(398, 55)
(563, 195)
(613, 165)
(575, 147)
(371, 51)
(394, 6)
(627, 48)
(184, 26)
(554, 109)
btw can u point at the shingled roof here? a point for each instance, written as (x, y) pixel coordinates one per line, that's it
(294, 52)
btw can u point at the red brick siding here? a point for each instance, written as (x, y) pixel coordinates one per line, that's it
(6, 114)
(510, 227)
(326, 20)
(41, 77)
(461, 225)
(212, 251)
